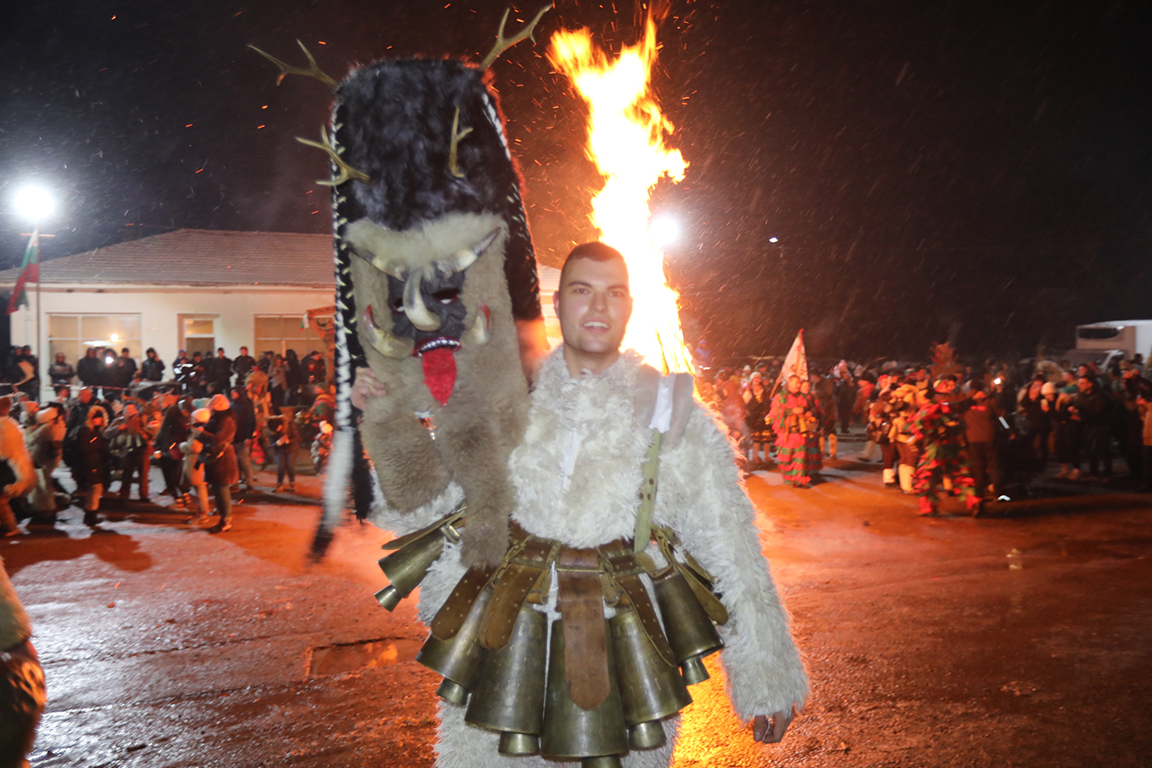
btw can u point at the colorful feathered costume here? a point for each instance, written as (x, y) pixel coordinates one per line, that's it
(943, 461)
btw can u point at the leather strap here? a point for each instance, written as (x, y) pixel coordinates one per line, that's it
(520, 575)
(585, 638)
(651, 469)
(625, 571)
(456, 608)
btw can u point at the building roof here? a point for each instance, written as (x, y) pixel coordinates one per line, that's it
(198, 257)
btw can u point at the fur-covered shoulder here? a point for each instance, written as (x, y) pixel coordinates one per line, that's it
(15, 626)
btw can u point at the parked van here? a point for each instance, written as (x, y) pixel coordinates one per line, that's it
(1128, 336)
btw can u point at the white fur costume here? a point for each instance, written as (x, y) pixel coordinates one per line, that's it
(577, 473)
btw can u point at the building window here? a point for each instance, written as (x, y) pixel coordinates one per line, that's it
(198, 334)
(75, 334)
(279, 333)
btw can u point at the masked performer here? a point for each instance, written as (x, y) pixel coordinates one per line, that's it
(794, 423)
(518, 518)
(942, 464)
(602, 425)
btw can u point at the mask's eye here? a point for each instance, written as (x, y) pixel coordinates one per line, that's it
(398, 305)
(447, 295)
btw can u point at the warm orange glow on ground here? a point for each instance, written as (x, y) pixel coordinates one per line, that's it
(626, 134)
(710, 732)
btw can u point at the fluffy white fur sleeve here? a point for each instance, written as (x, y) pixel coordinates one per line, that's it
(702, 498)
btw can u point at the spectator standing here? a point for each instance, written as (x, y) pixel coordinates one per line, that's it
(294, 375)
(61, 371)
(130, 442)
(242, 365)
(278, 381)
(283, 438)
(152, 369)
(757, 418)
(88, 368)
(1094, 407)
(196, 376)
(980, 433)
(173, 431)
(182, 371)
(218, 371)
(92, 461)
(245, 415)
(193, 465)
(221, 471)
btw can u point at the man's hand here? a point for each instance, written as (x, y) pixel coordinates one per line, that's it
(770, 728)
(365, 387)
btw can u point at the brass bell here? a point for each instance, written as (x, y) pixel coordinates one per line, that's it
(596, 737)
(603, 761)
(458, 659)
(508, 695)
(690, 632)
(650, 688)
(407, 567)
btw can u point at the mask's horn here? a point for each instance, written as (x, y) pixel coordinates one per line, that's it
(465, 258)
(414, 304)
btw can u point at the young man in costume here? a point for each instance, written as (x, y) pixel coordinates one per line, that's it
(595, 415)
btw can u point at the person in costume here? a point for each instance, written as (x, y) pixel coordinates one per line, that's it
(595, 414)
(793, 421)
(942, 464)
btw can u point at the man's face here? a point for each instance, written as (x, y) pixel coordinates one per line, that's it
(945, 387)
(124, 353)
(793, 384)
(243, 351)
(1084, 384)
(219, 353)
(85, 395)
(594, 305)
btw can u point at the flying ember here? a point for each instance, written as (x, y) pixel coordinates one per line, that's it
(626, 140)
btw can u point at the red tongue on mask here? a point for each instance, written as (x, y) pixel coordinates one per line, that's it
(440, 372)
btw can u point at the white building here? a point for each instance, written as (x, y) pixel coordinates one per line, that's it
(191, 289)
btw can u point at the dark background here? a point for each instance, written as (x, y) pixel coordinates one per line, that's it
(972, 171)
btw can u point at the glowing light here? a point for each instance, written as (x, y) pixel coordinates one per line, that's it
(115, 337)
(663, 231)
(773, 239)
(34, 203)
(626, 140)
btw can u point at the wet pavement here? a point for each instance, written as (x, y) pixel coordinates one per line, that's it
(1020, 638)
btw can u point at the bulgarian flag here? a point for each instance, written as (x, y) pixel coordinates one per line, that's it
(796, 363)
(30, 273)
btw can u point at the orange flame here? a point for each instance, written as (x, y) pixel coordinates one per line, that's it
(626, 134)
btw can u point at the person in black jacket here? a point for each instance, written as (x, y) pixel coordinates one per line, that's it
(152, 369)
(88, 368)
(219, 373)
(91, 472)
(1094, 406)
(242, 364)
(245, 414)
(219, 455)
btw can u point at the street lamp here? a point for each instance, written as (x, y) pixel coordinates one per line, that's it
(34, 203)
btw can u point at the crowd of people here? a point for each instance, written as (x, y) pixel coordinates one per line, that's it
(946, 429)
(291, 379)
(204, 432)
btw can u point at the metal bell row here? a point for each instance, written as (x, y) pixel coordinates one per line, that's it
(407, 566)
(690, 632)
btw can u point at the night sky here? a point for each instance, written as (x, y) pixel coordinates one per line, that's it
(979, 172)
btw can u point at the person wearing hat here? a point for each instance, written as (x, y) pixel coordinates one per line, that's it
(92, 461)
(131, 443)
(221, 470)
(191, 449)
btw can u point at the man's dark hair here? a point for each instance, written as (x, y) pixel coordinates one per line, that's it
(125, 350)
(596, 251)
